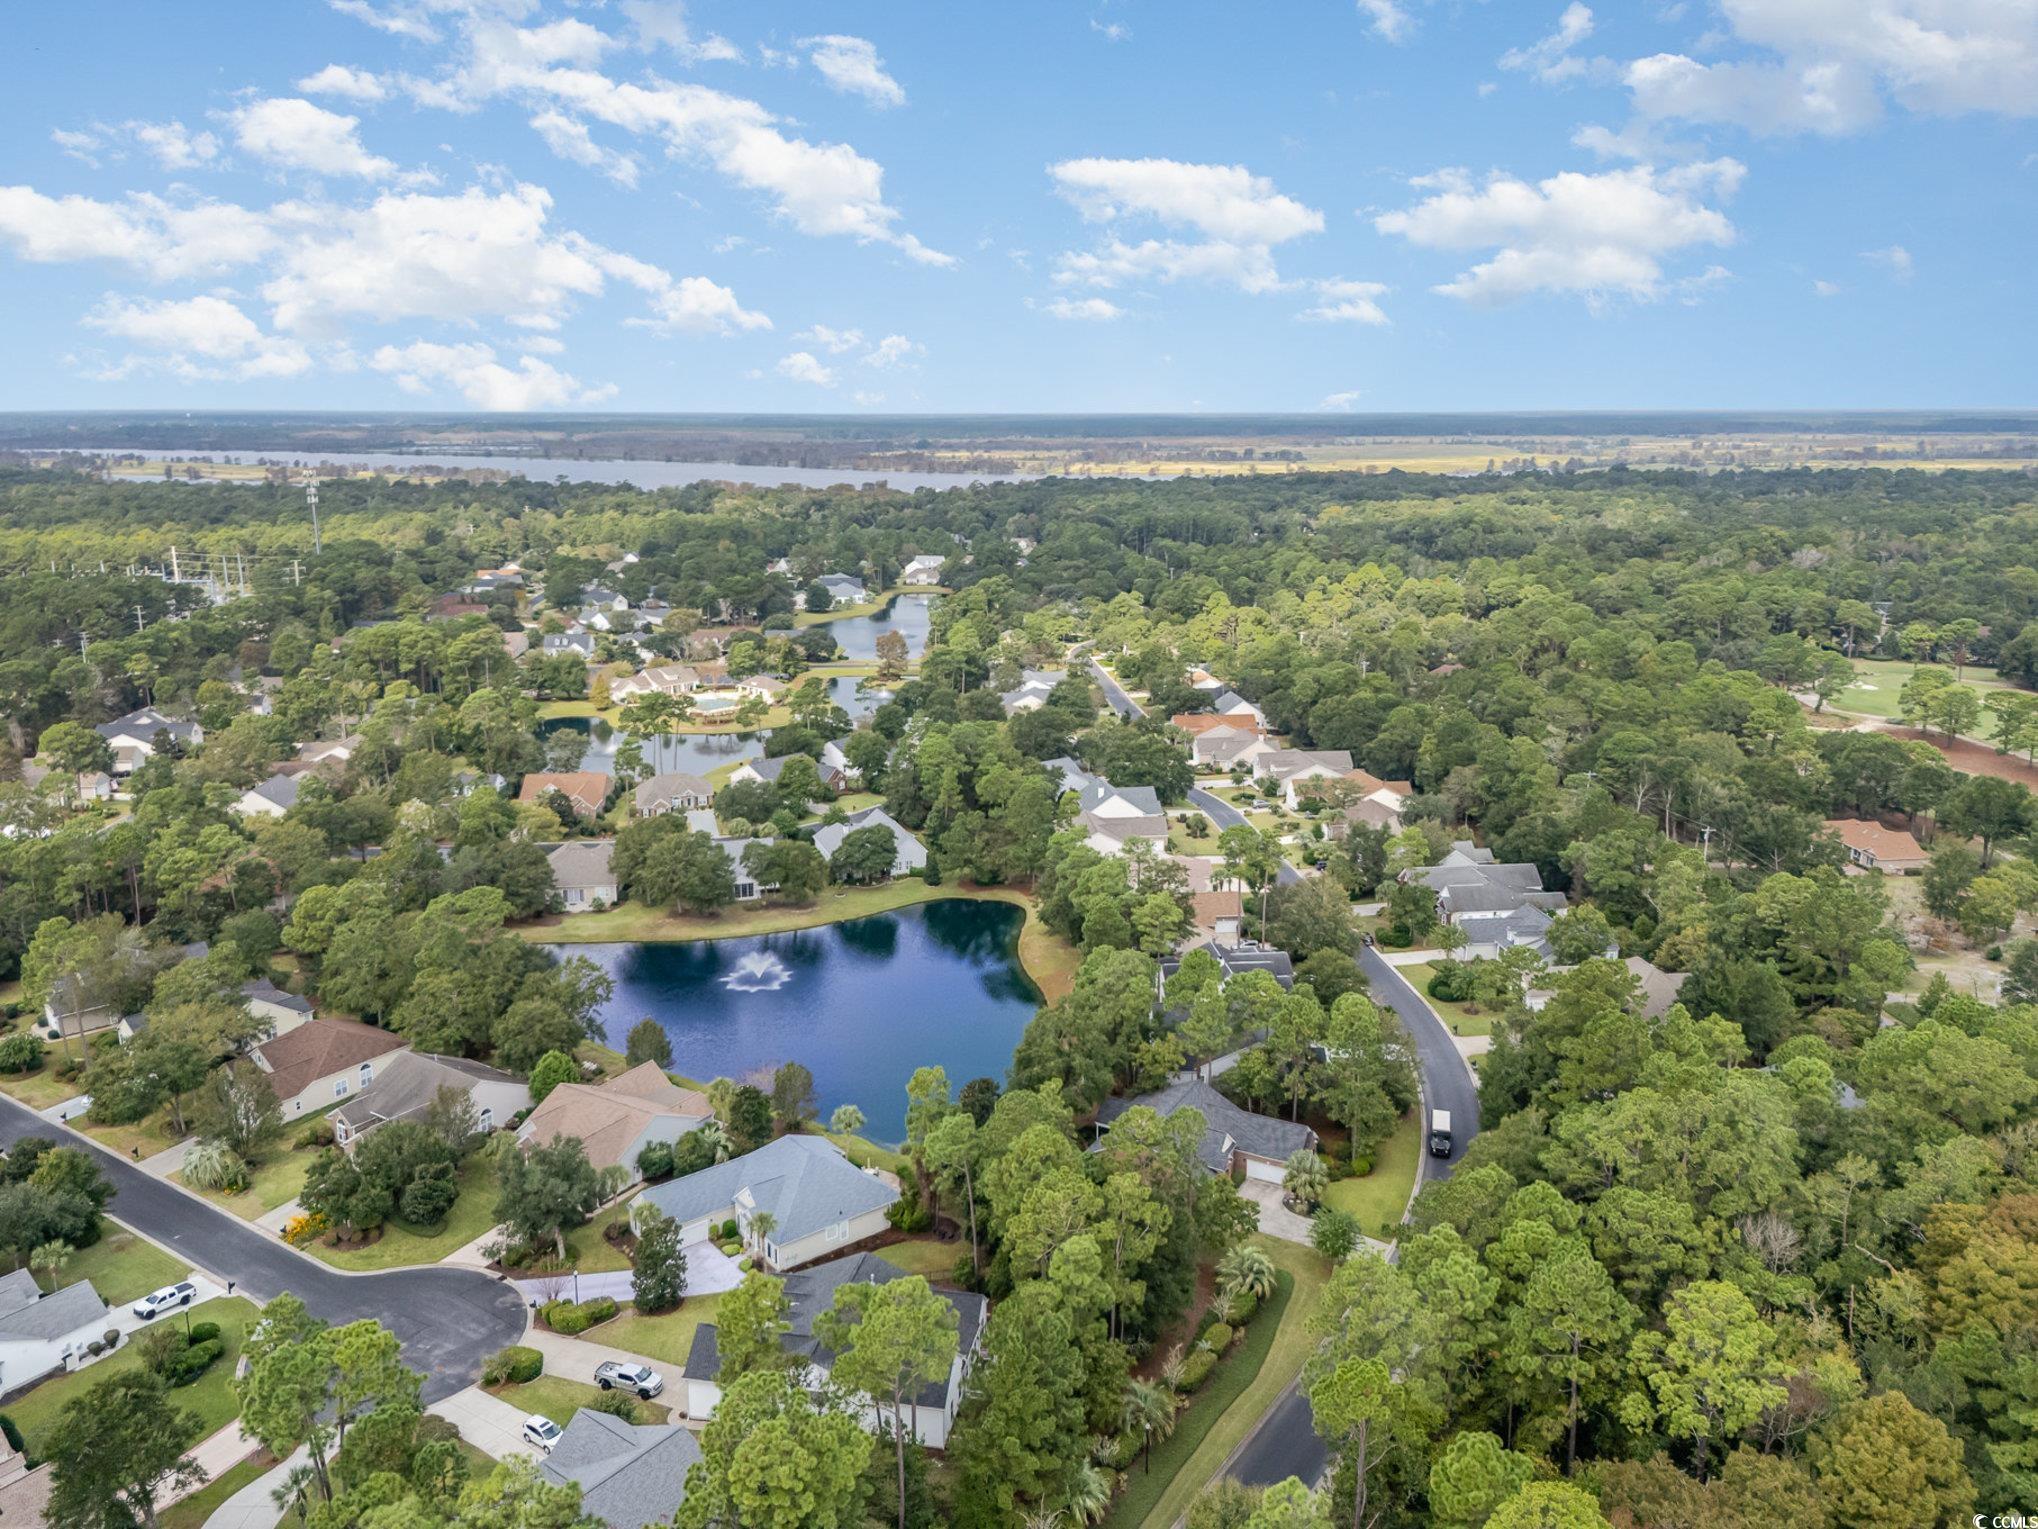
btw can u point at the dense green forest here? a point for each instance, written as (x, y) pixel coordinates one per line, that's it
(1766, 1257)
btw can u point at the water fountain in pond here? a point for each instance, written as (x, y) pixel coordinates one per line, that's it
(759, 972)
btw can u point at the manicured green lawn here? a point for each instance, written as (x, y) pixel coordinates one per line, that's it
(866, 1154)
(274, 1181)
(558, 1399)
(597, 1253)
(194, 1510)
(472, 1214)
(1878, 683)
(210, 1399)
(926, 1256)
(1288, 1348)
(1380, 1197)
(665, 1338)
(1458, 1018)
(123, 1266)
(39, 1089)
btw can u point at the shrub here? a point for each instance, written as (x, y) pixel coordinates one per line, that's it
(729, 1249)
(1218, 1337)
(12, 1435)
(204, 1332)
(216, 1166)
(1335, 1234)
(21, 1053)
(304, 1228)
(617, 1404)
(729, 1229)
(1452, 982)
(655, 1161)
(1241, 1308)
(565, 1317)
(185, 1368)
(428, 1198)
(318, 1134)
(515, 1365)
(111, 1338)
(1362, 1164)
(1124, 1449)
(1196, 1369)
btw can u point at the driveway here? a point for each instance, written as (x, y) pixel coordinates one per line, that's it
(449, 1319)
(709, 1271)
(487, 1422)
(1276, 1220)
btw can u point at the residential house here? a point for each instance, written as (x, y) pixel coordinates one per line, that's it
(1217, 916)
(1240, 956)
(595, 597)
(1656, 990)
(1202, 679)
(818, 1200)
(336, 751)
(835, 762)
(323, 1060)
(1229, 703)
(1219, 750)
(808, 1293)
(284, 1011)
(516, 644)
(270, 798)
(133, 737)
(1470, 885)
(652, 614)
(586, 790)
(843, 589)
(409, 1082)
(748, 889)
(1032, 691)
(630, 1475)
(763, 686)
(923, 570)
(909, 853)
(1292, 769)
(835, 778)
(660, 679)
(618, 1119)
(1195, 722)
(1872, 847)
(581, 874)
(1112, 815)
(42, 1334)
(1370, 802)
(672, 791)
(1235, 1141)
(577, 641)
(1069, 775)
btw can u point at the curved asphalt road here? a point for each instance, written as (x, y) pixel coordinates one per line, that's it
(449, 1319)
(1285, 1443)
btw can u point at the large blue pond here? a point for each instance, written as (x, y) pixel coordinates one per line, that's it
(861, 1003)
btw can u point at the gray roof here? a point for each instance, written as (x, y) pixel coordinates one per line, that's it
(1282, 763)
(26, 1314)
(1245, 956)
(767, 769)
(811, 1291)
(262, 990)
(1149, 825)
(280, 789)
(1229, 701)
(829, 837)
(146, 723)
(410, 1082)
(1491, 898)
(670, 785)
(582, 863)
(1219, 744)
(1096, 794)
(834, 583)
(629, 1474)
(1519, 874)
(804, 1181)
(1072, 775)
(1256, 1135)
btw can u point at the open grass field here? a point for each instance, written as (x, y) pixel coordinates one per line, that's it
(928, 1257)
(1379, 1198)
(472, 1214)
(665, 1338)
(1879, 681)
(39, 1090)
(210, 1398)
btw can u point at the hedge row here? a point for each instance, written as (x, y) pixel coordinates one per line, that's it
(565, 1317)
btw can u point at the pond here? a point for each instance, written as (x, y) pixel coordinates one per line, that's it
(861, 1004)
(690, 753)
(908, 615)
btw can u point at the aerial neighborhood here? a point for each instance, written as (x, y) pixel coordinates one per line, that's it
(802, 972)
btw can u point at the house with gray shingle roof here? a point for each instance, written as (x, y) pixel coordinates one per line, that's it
(43, 1333)
(1233, 1139)
(811, 1291)
(1111, 816)
(910, 853)
(630, 1474)
(133, 737)
(581, 874)
(672, 791)
(818, 1200)
(270, 798)
(410, 1081)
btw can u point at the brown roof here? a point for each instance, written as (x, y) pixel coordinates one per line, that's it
(319, 1048)
(586, 789)
(1206, 908)
(1199, 721)
(611, 1118)
(1874, 839)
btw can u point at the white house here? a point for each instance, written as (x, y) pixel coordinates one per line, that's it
(1111, 815)
(1229, 703)
(336, 750)
(1226, 748)
(41, 1334)
(412, 1081)
(1290, 768)
(133, 737)
(923, 570)
(910, 855)
(672, 791)
(1032, 691)
(808, 1293)
(268, 799)
(818, 1200)
(580, 872)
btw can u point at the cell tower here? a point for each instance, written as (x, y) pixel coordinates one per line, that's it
(311, 499)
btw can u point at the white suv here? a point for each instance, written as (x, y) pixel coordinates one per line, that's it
(157, 1302)
(541, 1432)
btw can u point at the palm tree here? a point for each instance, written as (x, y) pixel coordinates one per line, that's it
(712, 1135)
(1246, 1270)
(1306, 1179)
(1146, 1408)
(1089, 1493)
(49, 1257)
(1043, 1518)
(1173, 1368)
(762, 1224)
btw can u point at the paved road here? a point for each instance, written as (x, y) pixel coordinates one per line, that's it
(449, 1319)
(1114, 693)
(1285, 1442)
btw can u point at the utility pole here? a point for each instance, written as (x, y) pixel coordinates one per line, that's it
(175, 578)
(311, 498)
(294, 580)
(137, 622)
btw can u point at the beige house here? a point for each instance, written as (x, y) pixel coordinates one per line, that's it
(616, 1120)
(324, 1060)
(1873, 847)
(408, 1084)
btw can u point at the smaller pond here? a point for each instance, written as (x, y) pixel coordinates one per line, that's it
(861, 1004)
(688, 753)
(909, 615)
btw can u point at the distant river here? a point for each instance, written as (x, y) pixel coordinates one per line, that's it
(861, 1004)
(637, 473)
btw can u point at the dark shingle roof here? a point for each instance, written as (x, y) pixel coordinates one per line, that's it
(1256, 1135)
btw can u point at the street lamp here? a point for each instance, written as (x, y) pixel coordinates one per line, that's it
(1149, 1446)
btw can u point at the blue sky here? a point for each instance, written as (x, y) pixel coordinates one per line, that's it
(1115, 205)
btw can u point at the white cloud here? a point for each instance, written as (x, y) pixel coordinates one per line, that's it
(1596, 235)
(1549, 58)
(472, 369)
(1895, 259)
(197, 337)
(801, 366)
(79, 144)
(1349, 302)
(166, 241)
(1823, 288)
(1095, 310)
(691, 305)
(868, 400)
(1388, 18)
(663, 24)
(339, 80)
(290, 132)
(835, 341)
(173, 146)
(851, 65)
(1242, 217)
(1340, 403)
(1111, 31)
(569, 138)
(1827, 66)
(397, 21)
(893, 350)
